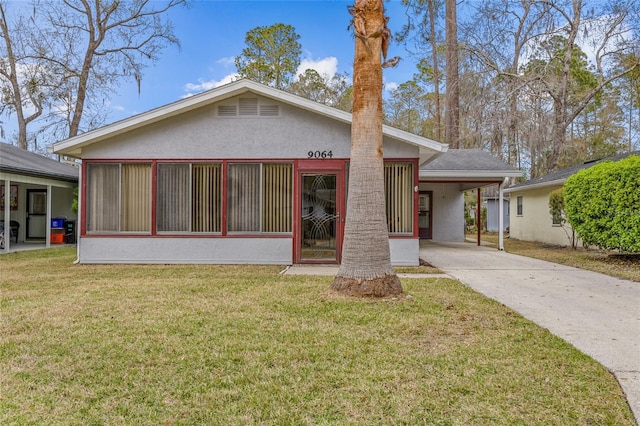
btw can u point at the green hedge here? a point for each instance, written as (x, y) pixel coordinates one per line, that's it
(603, 204)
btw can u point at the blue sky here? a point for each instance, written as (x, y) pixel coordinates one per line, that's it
(212, 33)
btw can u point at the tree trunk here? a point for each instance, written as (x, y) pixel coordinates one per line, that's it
(366, 269)
(436, 68)
(452, 112)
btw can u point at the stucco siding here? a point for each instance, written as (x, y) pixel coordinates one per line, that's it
(186, 250)
(201, 134)
(447, 211)
(404, 251)
(535, 223)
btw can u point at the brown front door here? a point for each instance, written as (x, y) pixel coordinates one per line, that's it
(424, 215)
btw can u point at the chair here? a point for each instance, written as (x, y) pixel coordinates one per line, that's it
(14, 227)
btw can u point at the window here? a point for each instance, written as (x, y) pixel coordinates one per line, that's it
(519, 205)
(189, 197)
(398, 185)
(119, 198)
(259, 197)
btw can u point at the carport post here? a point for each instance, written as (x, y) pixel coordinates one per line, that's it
(7, 214)
(501, 215)
(479, 216)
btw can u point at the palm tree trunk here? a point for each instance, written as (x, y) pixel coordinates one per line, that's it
(366, 269)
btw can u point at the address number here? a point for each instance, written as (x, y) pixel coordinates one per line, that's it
(320, 154)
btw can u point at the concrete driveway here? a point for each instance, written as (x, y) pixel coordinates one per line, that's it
(596, 313)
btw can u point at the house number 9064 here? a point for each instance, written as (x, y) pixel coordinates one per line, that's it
(320, 154)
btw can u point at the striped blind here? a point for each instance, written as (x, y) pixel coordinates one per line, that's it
(135, 204)
(398, 183)
(206, 198)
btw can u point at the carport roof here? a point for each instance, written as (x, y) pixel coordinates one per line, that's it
(18, 161)
(473, 167)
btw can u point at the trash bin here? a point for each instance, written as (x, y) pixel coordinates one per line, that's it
(70, 231)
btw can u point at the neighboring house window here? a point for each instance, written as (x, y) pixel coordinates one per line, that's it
(189, 197)
(519, 205)
(398, 184)
(259, 197)
(119, 198)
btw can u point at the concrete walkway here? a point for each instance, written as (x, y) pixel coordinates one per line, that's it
(596, 313)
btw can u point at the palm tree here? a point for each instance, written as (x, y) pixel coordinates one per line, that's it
(366, 269)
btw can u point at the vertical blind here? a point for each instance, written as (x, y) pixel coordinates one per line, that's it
(135, 205)
(277, 204)
(172, 208)
(243, 197)
(398, 182)
(206, 198)
(103, 190)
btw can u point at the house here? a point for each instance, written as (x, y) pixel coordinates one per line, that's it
(529, 204)
(36, 190)
(246, 173)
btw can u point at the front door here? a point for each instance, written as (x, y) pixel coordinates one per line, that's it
(36, 214)
(320, 237)
(424, 215)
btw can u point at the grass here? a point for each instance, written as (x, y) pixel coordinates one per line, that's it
(590, 259)
(243, 345)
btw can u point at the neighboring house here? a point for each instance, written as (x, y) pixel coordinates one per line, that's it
(39, 189)
(245, 173)
(530, 217)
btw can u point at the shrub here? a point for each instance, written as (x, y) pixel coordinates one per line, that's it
(603, 204)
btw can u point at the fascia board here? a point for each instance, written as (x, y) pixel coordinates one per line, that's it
(557, 182)
(469, 174)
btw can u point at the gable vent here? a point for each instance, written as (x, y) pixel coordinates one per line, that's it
(227, 110)
(248, 106)
(269, 110)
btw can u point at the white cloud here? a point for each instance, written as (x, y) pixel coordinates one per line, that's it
(202, 85)
(326, 67)
(390, 86)
(227, 62)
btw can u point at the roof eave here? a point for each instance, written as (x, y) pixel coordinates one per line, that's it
(466, 174)
(556, 182)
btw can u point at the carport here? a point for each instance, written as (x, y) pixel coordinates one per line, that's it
(445, 179)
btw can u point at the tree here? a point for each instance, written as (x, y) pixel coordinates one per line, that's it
(559, 216)
(272, 55)
(406, 107)
(21, 80)
(324, 90)
(426, 14)
(76, 52)
(602, 204)
(452, 111)
(366, 263)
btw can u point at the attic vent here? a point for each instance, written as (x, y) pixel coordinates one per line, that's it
(227, 110)
(269, 110)
(248, 106)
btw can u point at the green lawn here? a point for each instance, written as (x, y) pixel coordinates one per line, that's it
(243, 345)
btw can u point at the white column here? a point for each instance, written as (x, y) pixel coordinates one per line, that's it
(7, 214)
(48, 223)
(501, 215)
